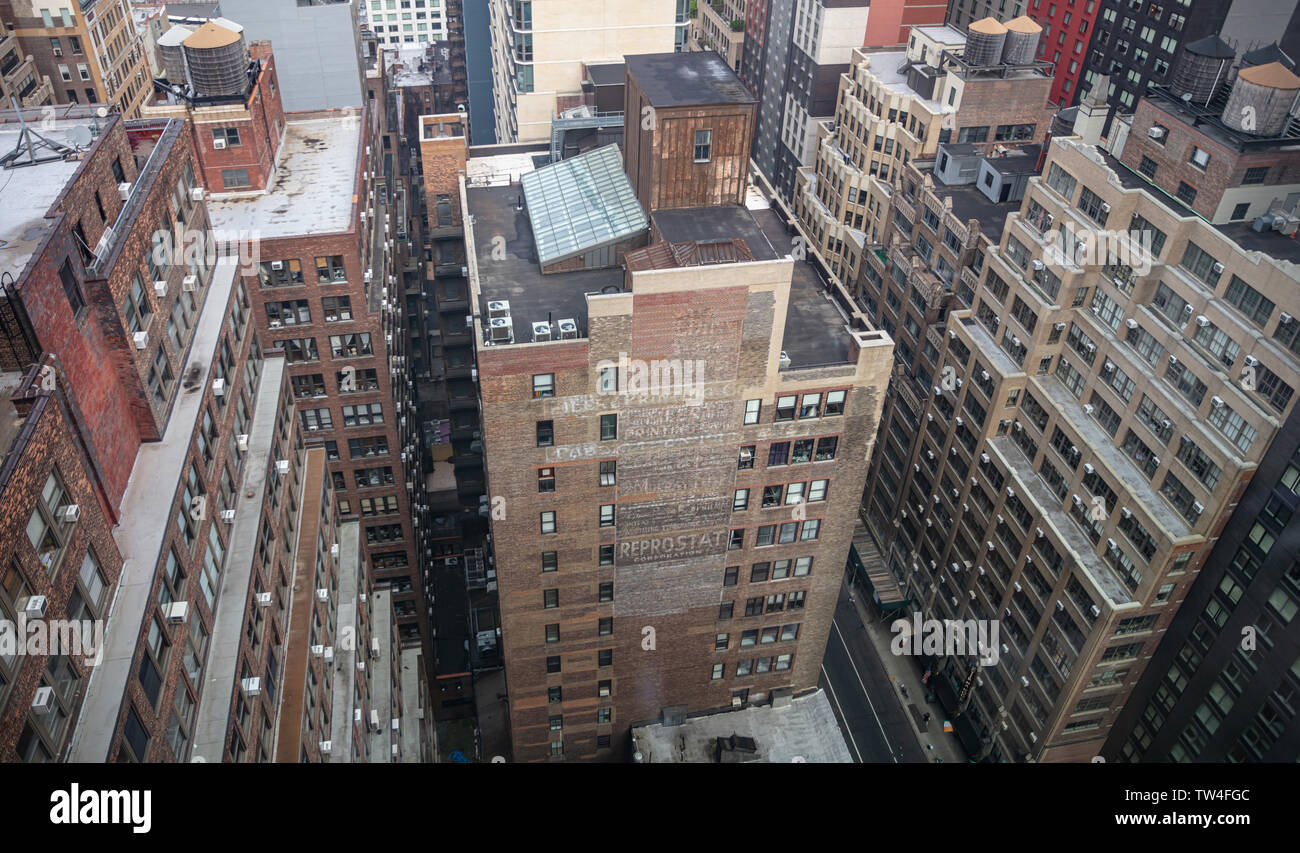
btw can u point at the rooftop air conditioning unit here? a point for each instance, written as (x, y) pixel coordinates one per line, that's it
(124, 190)
(501, 329)
(264, 599)
(499, 308)
(541, 331)
(218, 144)
(219, 387)
(160, 289)
(326, 746)
(71, 513)
(140, 339)
(241, 441)
(196, 194)
(1216, 401)
(282, 466)
(250, 687)
(334, 550)
(318, 650)
(329, 654)
(361, 666)
(323, 594)
(1202, 320)
(374, 647)
(374, 721)
(568, 329)
(228, 516)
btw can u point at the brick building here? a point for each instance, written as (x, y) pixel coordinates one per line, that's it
(19, 76)
(155, 459)
(91, 52)
(660, 554)
(898, 106)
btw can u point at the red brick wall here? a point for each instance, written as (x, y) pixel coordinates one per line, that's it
(48, 441)
(260, 131)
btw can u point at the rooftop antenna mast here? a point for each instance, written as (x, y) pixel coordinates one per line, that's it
(25, 140)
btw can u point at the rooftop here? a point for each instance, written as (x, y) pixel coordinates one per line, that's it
(803, 731)
(30, 190)
(607, 73)
(944, 34)
(414, 66)
(889, 68)
(312, 188)
(969, 203)
(694, 78)
(1269, 243)
(814, 332)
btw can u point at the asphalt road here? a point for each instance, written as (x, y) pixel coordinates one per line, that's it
(874, 724)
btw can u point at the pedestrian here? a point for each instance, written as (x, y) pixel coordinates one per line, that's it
(926, 717)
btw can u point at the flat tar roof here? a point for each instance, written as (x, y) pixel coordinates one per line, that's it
(313, 186)
(687, 79)
(804, 731)
(29, 191)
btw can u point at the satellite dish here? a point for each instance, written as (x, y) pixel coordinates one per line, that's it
(102, 112)
(80, 136)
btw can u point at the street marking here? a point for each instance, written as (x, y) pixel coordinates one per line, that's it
(866, 695)
(845, 723)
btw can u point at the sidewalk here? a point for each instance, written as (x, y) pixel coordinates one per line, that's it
(938, 745)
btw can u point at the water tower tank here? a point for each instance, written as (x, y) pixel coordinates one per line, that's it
(218, 61)
(172, 55)
(1262, 99)
(1201, 69)
(1266, 54)
(1022, 41)
(985, 40)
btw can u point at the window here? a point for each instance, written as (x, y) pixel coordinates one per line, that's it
(47, 528)
(228, 135)
(703, 144)
(606, 555)
(71, 287)
(810, 406)
(351, 345)
(545, 480)
(1255, 175)
(232, 179)
(740, 501)
(548, 522)
(608, 473)
(543, 385)
(545, 433)
(752, 410)
(606, 592)
(552, 663)
(725, 610)
(719, 670)
(1200, 158)
(330, 269)
(550, 598)
(608, 427)
(834, 404)
(608, 382)
(605, 657)
(1186, 193)
(550, 561)
(736, 539)
(826, 448)
(785, 407)
(607, 515)
(605, 626)
(553, 632)
(745, 460)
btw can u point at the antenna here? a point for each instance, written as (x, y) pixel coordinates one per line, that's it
(25, 135)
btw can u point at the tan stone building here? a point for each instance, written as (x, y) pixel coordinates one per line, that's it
(91, 51)
(539, 48)
(896, 106)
